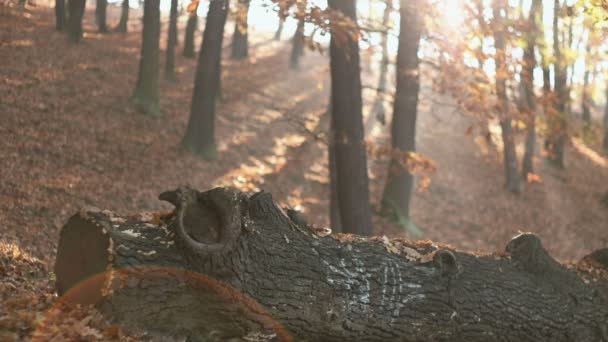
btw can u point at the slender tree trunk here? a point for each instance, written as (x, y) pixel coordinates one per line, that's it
(191, 27)
(527, 79)
(146, 92)
(378, 107)
(557, 122)
(100, 15)
(585, 98)
(512, 182)
(240, 44)
(347, 120)
(124, 17)
(297, 47)
(171, 41)
(200, 134)
(277, 34)
(76, 10)
(59, 14)
(398, 189)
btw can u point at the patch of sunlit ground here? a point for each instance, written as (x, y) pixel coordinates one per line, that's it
(588, 153)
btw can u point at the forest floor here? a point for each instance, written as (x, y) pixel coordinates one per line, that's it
(71, 138)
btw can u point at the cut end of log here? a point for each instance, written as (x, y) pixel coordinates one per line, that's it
(82, 259)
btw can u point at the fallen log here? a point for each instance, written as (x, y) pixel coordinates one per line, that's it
(227, 266)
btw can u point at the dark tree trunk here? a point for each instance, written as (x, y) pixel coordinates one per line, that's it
(200, 134)
(334, 205)
(146, 92)
(76, 10)
(585, 98)
(171, 41)
(398, 188)
(277, 34)
(240, 38)
(225, 265)
(347, 121)
(297, 46)
(556, 139)
(512, 180)
(378, 108)
(100, 15)
(59, 14)
(124, 17)
(527, 79)
(191, 27)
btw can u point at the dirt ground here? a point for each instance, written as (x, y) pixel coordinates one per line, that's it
(70, 138)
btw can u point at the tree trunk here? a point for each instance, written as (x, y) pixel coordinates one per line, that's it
(225, 265)
(527, 79)
(378, 108)
(512, 180)
(279, 31)
(171, 41)
(76, 10)
(124, 17)
(146, 92)
(297, 46)
(347, 121)
(59, 14)
(556, 139)
(240, 44)
(191, 27)
(100, 15)
(398, 188)
(334, 205)
(585, 97)
(200, 134)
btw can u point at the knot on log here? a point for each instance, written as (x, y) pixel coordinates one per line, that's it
(527, 251)
(206, 222)
(446, 262)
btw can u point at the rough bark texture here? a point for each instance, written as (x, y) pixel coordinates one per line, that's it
(226, 265)
(124, 17)
(297, 46)
(398, 188)
(59, 14)
(240, 37)
(191, 27)
(100, 15)
(76, 10)
(146, 94)
(171, 41)
(527, 79)
(556, 140)
(347, 121)
(200, 134)
(512, 179)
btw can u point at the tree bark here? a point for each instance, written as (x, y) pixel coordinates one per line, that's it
(585, 97)
(334, 201)
(200, 134)
(100, 15)
(347, 121)
(527, 79)
(191, 27)
(76, 10)
(512, 180)
(279, 31)
(606, 124)
(59, 14)
(146, 94)
(240, 37)
(171, 41)
(225, 265)
(124, 17)
(556, 139)
(398, 188)
(297, 45)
